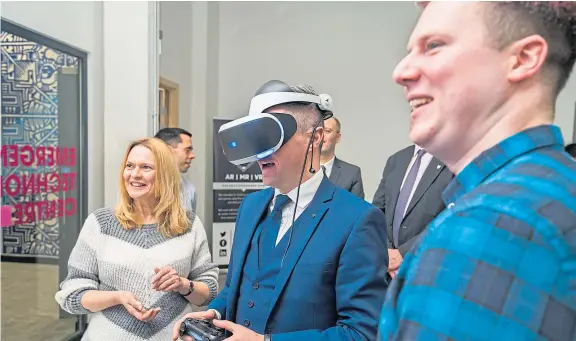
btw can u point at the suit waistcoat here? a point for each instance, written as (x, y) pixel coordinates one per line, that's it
(258, 282)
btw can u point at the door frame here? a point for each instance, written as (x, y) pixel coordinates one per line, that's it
(173, 100)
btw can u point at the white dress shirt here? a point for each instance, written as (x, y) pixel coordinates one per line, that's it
(307, 191)
(188, 195)
(426, 158)
(328, 166)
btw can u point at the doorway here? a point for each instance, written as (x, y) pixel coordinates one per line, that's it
(168, 93)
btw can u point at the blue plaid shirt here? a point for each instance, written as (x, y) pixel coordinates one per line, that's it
(500, 262)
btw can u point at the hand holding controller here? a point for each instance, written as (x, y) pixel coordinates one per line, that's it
(201, 330)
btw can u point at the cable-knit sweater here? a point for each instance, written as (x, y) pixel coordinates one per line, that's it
(107, 257)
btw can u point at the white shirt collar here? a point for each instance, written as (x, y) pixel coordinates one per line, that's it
(307, 190)
(417, 148)
(330, 162)
(328, 166)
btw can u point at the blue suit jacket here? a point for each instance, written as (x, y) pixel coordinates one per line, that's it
(333, 280)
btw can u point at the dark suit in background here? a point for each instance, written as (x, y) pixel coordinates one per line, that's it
(426, 202)
(347, 176)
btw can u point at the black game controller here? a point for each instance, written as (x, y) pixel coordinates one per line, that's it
(202, 330)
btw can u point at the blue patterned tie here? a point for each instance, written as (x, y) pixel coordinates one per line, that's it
(281, 201)
(404, 195)
(272, 226)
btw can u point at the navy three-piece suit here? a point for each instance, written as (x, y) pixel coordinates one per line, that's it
(332, 281)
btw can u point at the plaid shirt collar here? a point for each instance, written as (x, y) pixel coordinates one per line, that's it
(491, 160)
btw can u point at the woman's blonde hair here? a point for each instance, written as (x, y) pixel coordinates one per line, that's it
(169, 211)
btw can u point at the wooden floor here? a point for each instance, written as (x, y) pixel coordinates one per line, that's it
(28, 309)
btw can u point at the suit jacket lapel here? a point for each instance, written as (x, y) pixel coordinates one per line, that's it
(335, 174)
(396, 178)
(430, 174)
(248, 225)
(304, 228)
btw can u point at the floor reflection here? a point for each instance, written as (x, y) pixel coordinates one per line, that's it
(29, 311)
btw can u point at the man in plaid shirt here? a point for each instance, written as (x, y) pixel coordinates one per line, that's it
(500, 262)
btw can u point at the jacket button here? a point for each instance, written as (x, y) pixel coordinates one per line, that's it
(255, 285)
(246, 323)
(250, 304)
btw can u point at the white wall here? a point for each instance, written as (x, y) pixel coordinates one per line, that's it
(129, 73)
(78, 24)
(566, 110)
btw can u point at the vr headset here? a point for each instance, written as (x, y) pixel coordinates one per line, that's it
(258, 135)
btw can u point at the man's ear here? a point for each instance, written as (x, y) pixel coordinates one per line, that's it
(527, 56)
(318, 136)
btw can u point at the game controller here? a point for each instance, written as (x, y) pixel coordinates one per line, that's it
(201, 330)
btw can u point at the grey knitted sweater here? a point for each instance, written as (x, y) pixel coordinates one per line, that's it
(108, 257)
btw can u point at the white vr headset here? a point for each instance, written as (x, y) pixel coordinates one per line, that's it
(258, 135)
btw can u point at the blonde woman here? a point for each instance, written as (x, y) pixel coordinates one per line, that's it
(140, 267)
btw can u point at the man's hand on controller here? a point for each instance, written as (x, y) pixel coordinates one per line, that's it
(239, 333)
(200, 315)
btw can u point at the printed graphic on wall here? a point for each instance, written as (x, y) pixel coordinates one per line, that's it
(36, 172)
(230, 185)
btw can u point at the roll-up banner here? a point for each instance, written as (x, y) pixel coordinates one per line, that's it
(230, 185)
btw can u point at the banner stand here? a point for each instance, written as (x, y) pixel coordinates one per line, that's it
(230, 184)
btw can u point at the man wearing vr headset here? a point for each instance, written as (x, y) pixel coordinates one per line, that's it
(314, 273)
